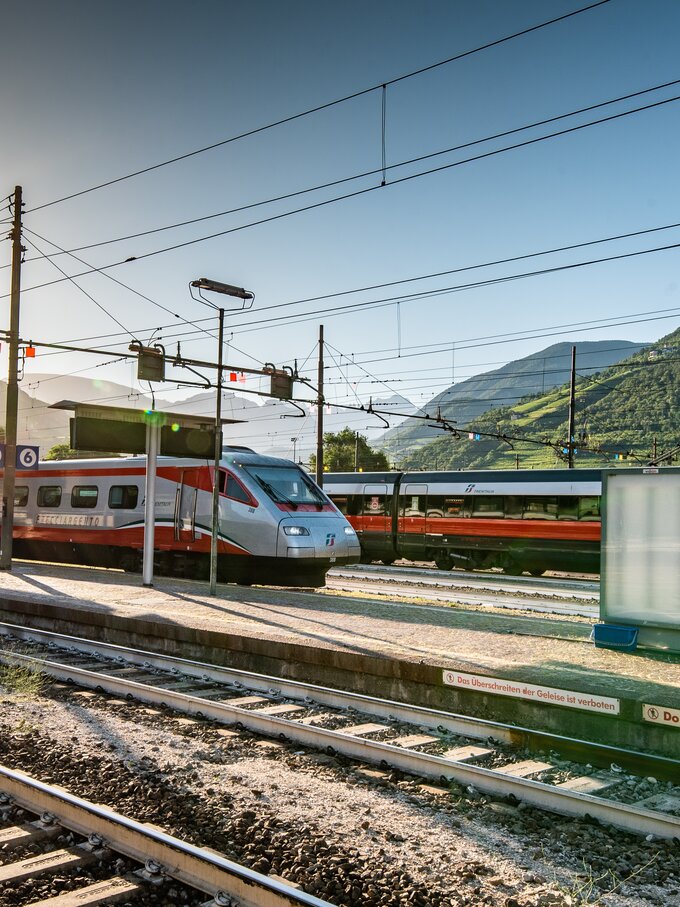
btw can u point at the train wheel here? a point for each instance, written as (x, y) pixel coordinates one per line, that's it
(202, 568)
(537, 571)
(512, 567)
(131, 562)
(444, 561)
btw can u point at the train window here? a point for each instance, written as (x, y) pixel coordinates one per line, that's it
(49, 496)
(454, 506)
(287, 485)
(20, 495)
(435, 506)
(439, 505)
(341, 501)
(413, 505)
(373, 505)
(84, 496)
(354, 502)
(490, 506)
(236, 491)
(513, 506)
(123, 497)
(589, 508)
(567, 508)
(540, 508)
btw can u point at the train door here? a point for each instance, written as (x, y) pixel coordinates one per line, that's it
(412, 520)
(186, 501)
(375, 522)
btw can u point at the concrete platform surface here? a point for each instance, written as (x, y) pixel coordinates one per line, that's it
(537, 649)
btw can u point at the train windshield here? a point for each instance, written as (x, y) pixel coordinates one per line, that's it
(287, 485)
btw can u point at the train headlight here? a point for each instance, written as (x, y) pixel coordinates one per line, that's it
(349, 531)
(296, 530)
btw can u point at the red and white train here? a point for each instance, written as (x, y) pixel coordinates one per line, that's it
(275, 524)
(533, 520)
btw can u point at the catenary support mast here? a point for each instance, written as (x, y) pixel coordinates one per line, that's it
(572, 409)
(319, 415)
(12, 391)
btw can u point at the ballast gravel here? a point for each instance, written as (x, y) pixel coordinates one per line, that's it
(349, 834)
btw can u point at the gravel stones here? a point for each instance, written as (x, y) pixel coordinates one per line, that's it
(348, 834)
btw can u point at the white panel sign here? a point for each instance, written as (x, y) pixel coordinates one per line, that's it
(640, 580)
(545, 695)
(661, 715)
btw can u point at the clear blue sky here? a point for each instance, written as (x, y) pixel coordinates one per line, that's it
(92, 91)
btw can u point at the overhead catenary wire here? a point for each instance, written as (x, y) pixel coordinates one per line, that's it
(366, 173)
(114, 280)
(318, 108)
(510, 338)
(359, 192)
(431, 374)
(101, 307)
(540, 333)
(477, 266)
(429, 294)
(443, 423)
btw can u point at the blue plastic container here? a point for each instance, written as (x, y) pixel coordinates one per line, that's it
(609, 636)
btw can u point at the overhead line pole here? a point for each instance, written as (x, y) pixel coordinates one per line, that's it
(572, 409)
(319, 416)
(12, 403)
(224, 289)
(218, 456)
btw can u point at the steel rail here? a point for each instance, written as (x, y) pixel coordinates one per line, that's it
(454, 723)
(572, 588)
(535, 793)
(204, 870)
(484, 598)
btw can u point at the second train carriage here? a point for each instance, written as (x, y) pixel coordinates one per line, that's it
(533, 520)
(275, 524)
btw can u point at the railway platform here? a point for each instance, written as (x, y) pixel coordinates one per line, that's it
(537, 671)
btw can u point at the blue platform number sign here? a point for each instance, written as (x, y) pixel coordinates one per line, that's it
(27, 456)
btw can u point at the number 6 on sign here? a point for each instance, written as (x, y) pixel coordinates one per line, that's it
(27, 457)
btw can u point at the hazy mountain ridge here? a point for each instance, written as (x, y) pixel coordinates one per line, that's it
(465, 402)
(268, 426)
(628, 409)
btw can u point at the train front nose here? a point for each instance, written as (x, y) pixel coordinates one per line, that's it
(322, 538)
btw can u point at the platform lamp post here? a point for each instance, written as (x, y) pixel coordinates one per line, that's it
(225, 289)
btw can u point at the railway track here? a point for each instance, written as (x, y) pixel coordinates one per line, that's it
(106, 835)
(578, 778)
(542, 595)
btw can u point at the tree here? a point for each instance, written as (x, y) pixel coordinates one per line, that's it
(64, 452)
(348, 451)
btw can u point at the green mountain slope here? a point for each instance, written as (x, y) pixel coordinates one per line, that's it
(537, 373)
(629, 409)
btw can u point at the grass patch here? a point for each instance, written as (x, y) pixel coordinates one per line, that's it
(22, 680)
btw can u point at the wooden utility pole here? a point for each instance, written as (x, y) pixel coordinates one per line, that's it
(319, 414)
(572, 409)
(11, 410)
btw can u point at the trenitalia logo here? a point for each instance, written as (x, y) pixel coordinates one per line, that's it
(473, 489)
(330, 539)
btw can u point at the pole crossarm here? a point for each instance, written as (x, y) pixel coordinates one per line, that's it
(178, 361)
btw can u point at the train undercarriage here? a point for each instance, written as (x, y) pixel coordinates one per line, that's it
(242, 570)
